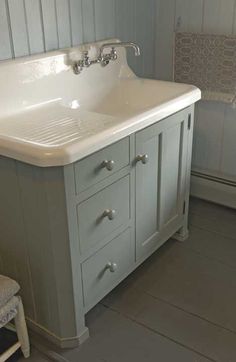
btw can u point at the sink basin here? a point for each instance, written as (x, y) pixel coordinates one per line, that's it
(49, 116)
(135, 96)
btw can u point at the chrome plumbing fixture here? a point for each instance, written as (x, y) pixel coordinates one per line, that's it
(103, 58)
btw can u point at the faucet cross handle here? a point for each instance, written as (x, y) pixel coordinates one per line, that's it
(113, 54)
(86, 60)
(105, 59)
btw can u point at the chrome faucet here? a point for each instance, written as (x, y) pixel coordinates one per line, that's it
(104, 58)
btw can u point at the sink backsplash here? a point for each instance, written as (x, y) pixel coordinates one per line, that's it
(31, 81)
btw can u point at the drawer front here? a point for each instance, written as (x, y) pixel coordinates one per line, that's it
(106, 268)
(103, 213)
(101, 165)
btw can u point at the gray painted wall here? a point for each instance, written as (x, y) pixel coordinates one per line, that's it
(215, 122)
(35, 26)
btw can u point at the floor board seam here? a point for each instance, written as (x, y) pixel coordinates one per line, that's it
(230, 266)
(157, 332)
(190, 313)
(212, 231)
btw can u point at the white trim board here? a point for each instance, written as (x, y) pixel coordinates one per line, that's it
(210, 189)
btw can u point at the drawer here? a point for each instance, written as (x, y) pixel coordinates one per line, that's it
(104, 270)
(103, 213)
(101, 165)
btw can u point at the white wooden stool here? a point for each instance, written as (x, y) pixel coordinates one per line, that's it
(11, 307)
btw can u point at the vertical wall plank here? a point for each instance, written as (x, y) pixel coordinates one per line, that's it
(63, 23)
(125, 19)
(140, 35)
(234, 21)
(164, 39)
(50, 24)
(76, 21)
(18, 27)
(125, 25)
(5, 40)
(145, 19)
(218, 16)
(34, 22)
(104, 19)
(88, 20)
(189, 15)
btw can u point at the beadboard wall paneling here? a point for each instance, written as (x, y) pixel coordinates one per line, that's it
(104, 19)
(6, 41)
(126, 24)
(34, 26)
(213, 143)
(49, 22)
(19, 31)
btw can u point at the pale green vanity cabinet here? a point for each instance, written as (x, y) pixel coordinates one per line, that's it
(70, 234)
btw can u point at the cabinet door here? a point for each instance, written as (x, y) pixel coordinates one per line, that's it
(161, 182)
(173, 162)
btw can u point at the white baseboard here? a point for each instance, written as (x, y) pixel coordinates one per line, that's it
(212, 189)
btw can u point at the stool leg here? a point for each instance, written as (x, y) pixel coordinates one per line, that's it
(21, 330)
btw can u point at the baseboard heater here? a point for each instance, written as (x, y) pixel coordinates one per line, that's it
(214, 189)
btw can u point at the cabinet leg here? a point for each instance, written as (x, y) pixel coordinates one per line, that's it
(182, 234)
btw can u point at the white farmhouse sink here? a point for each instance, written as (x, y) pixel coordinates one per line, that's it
(49, 116)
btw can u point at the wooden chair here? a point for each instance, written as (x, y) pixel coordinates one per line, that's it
(11, 307)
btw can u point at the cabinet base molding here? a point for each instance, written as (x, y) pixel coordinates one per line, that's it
(73, 342)
(213, 189)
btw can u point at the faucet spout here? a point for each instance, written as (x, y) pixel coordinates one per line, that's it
(122, 45)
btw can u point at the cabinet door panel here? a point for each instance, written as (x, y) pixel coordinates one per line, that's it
(173, 161)
(147, 142)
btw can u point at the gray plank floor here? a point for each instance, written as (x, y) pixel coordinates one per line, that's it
(179, 306)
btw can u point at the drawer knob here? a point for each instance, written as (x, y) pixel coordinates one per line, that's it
(143, 158)
(109, 165)
(109, 213)
(112, 267)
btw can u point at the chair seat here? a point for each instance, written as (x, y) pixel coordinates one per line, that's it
(9, 311)
(8, 288)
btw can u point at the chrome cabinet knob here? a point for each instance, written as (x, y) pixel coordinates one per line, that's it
(143, 158)
(109, 165)
(110, 214)
(112, 267)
